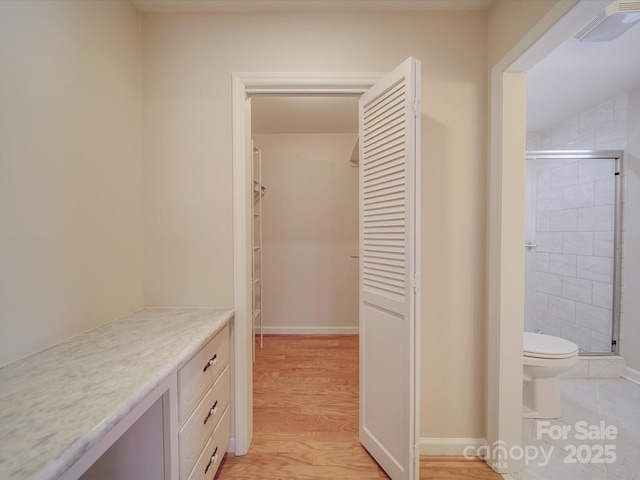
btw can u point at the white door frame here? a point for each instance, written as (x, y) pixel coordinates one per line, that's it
(506, 224)
(244, 85)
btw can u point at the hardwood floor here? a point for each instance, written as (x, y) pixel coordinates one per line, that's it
(306, 418)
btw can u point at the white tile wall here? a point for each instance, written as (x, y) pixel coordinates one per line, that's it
(542, 260)
(575, 221)
(562, 308)
(579, 196)
(594, 318)
(551, 200)
(603, 244)
(547, 283)
(542, 302)
(564, 176)
(599, 269)
(549, 242)
(562, 264)
(603, 127)
(577, 289)
(579, 243)
(592, 219)
(604, 192)
(602, 294)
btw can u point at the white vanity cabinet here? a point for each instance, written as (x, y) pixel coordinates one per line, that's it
(144, 397)
(203, 409)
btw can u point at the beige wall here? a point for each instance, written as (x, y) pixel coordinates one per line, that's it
(310, 226)
(631, 258)
(71, 245)
(188, 61)
(71, 239)
(511, 20)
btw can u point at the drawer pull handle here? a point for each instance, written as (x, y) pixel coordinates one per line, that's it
(212, 460)
(213, 361)
(212, 411)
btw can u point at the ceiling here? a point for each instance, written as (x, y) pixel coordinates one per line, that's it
(577, 76)
(307, 5)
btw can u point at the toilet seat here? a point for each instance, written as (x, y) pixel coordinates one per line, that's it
(537, 345)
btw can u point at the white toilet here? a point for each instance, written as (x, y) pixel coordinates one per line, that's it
(544, 358)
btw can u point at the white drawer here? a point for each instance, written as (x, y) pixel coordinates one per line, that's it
(198, 428)
(214, 451)
(197, 376)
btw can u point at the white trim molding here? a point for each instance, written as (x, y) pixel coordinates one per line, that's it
(293, 330)
(277, 83)
(244, 85)
(632, 375)
(450, 446)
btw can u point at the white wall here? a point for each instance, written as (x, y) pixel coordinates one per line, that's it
(71, 237)
(310, 226)
(187, 65)
(630, 322)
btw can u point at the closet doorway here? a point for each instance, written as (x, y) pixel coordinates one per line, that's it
(306, 268)
(389, 128)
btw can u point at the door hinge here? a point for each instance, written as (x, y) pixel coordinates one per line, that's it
(415, 282)
(416, 107)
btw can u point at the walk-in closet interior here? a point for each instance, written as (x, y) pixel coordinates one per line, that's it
(305, 215)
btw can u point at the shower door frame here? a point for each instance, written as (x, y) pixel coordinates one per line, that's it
(618, 157)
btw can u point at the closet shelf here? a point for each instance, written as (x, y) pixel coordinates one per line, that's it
(355, 153)
(258, 187)
(259, 191)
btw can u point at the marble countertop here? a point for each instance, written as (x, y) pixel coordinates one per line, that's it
(56, 404)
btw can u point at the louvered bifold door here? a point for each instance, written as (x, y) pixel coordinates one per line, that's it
(389, 280)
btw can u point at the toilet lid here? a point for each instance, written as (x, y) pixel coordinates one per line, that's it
(546, 346)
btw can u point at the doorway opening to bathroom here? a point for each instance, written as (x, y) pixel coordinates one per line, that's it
(510, 87)
(573, 247)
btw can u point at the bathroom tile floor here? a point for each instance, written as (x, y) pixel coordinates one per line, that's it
(597, 437)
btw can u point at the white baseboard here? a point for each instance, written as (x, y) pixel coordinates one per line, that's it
(310, 330)
(632, 375)
(449, 446)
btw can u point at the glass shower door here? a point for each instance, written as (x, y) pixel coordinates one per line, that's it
(571, 242)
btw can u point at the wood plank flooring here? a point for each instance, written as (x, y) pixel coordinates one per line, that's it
(306, 418)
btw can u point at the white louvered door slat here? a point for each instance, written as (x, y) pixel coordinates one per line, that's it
(389, 329)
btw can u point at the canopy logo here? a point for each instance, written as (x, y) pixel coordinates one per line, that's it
(500, 453)
(551, 436)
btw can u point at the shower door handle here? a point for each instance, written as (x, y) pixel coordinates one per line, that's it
(531, 245)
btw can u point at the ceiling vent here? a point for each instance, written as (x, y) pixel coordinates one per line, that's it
(616, 19)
